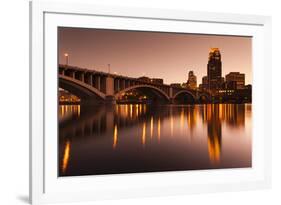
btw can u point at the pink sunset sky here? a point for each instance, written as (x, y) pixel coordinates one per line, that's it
(154, 54)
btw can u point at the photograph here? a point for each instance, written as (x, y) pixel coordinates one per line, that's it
(133, 101)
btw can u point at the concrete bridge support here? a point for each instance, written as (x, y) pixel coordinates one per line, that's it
(110, 90)
(170, 92)
(171, 95)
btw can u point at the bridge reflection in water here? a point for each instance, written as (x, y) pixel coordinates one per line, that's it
(111, 139)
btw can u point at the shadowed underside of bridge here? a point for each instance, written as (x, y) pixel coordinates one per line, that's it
(85, 92)
(184, 97)
(153, 93)
(88, 94)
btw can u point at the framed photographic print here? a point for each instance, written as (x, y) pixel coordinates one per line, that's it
(129, 102)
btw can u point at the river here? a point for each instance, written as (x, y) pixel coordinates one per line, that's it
(137, 138)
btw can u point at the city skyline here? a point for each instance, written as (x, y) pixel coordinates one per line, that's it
(146, 98)
(153, 54)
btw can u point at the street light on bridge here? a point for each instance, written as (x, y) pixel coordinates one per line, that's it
(66, 58)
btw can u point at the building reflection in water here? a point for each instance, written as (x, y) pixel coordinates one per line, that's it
(143, 134)
(177, 121)
(115, 136)
(172, 125)
(182, 119)
(233, 115)
(66, 156)
(214, 128)
(159, 129)
(151, 127)
(191, 118)
(67, 111)
(131, 111)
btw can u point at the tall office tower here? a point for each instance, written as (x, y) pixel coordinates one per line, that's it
(214, 69)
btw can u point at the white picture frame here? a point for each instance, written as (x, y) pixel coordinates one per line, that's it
(46, 187)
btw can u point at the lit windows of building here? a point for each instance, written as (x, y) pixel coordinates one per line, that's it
(235, 78)
(214, 69)
(66, 97)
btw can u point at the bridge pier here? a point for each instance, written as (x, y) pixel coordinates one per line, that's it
(170, 92)
(110, 99)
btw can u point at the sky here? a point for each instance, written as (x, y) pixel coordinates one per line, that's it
(153, 54)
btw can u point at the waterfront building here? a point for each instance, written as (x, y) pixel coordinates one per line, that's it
(192, 80)
(235, 78)
(205, 83)
(66, 97)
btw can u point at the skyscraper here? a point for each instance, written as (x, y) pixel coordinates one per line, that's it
(214, 69)
(192, 80)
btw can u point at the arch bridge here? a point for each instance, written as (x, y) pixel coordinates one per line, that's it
(95, 86)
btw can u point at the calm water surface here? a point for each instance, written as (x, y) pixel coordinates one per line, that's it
(143, 138)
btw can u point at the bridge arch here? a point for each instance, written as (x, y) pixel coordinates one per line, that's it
(184, 93)
(157, 91)
(80, 89)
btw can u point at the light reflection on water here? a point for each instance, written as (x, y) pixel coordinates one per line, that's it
(144, 138)
(67, 111)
